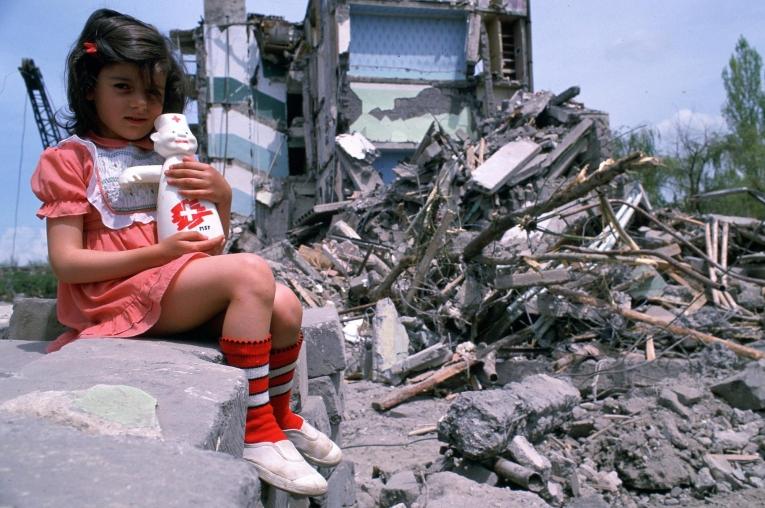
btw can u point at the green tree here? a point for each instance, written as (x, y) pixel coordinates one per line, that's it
(743, 159)
(689, 165)
(641, 139)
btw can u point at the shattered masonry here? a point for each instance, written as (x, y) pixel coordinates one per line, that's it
(272, 95)
(392, 159)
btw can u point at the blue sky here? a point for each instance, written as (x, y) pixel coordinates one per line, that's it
(645, 62)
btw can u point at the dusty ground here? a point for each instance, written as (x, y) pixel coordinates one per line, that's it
(379, 445)
(375, 440)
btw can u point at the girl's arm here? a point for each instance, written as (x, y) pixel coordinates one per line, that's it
(199, 180)
(74, 264)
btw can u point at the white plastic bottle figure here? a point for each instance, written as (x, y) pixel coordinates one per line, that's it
(173, 140)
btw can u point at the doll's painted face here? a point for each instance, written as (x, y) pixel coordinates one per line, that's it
(173, 136)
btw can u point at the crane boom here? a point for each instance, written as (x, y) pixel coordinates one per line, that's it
(44, 118)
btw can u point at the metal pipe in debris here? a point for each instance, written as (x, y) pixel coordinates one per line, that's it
(519, 475)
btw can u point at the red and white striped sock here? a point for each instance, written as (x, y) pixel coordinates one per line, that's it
(252, 356)
(283, 362)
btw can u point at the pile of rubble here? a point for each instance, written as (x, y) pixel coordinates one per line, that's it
(529, 273)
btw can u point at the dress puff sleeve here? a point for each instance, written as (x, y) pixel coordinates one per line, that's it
(60, 180)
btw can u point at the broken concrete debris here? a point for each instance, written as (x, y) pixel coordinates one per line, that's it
(533, 246)
(482, 424)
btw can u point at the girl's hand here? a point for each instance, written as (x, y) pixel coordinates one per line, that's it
(182, 243)
(198, 180)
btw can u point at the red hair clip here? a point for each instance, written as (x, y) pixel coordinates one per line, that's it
(90, 47)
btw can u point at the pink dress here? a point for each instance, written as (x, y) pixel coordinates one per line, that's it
(80, 177)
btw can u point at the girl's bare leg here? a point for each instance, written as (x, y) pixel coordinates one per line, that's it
(241, 285)
(286, 317)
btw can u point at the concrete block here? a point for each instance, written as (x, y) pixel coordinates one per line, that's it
(670, 400)
(480, 425)
(300, 382)
(402, 487)
(14, 354)
(341, 491)
(338, 380)
(325, 342)
(390, 340)
(199, 403)
(6, 309)
(315, 413)
(34, 319)
(324, 388)
(687, 395)
(745, 390)
(53, 465)
(271, 497)
(492, 174)
(430, 357)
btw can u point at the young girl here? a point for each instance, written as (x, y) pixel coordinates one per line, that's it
(116, 280)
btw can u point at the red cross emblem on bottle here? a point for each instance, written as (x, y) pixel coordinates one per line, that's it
(188, 214)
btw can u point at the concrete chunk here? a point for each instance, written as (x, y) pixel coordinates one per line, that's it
(200, 403)
(480, 425)
(341, 491)
(51, 465)
(325, 388)
(497, 170)
(391, 341)
(745, 390)
(430, 357)
(315, 413)
(402, 487)
(34, 319)
(451, 489)
(687, 395)
(324, 341)
(669, 399)
(300, 387)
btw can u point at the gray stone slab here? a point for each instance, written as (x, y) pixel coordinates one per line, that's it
(47, 465)
(341, 488)
(325, 342)
(200, 403)
(315, 413)
(34, 319)
(492, 174)
(324, 387)
(745, 390)
(390, 340)
(277, 498)
(6, 309)
(341, 491)
(14, 354)
(402, 487)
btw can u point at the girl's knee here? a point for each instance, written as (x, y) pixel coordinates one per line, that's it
(253, 276)
(287, 307)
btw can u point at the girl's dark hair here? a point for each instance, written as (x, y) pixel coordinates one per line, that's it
(114, 38)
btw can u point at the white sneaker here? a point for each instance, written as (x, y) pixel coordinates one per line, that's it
(315, 446)
(282, 466)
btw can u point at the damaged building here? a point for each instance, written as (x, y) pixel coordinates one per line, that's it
(303, 114)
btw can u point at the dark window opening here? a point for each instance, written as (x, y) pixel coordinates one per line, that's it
(296, 160)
